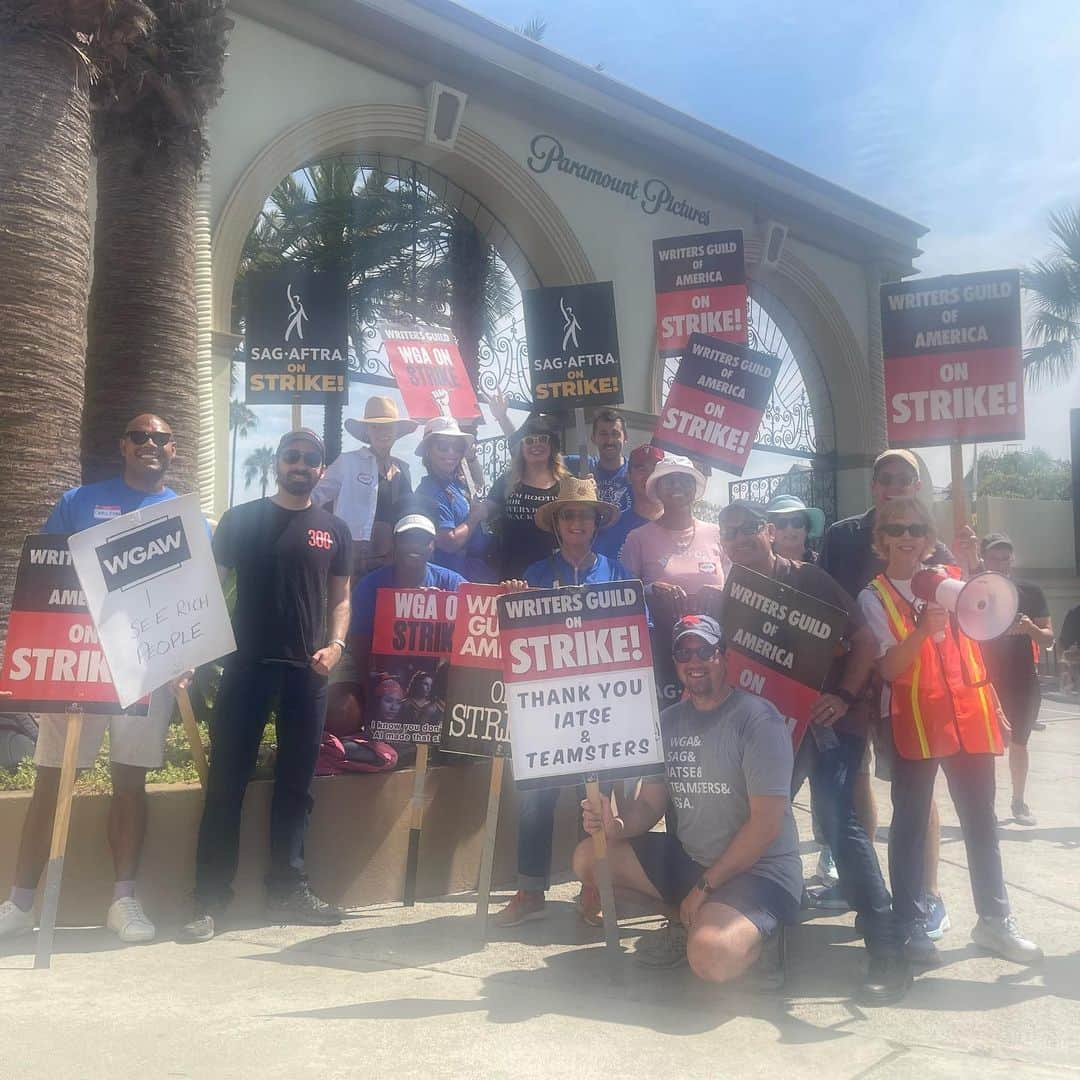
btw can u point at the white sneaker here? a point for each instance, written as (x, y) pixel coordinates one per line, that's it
(827, 873)
(128, 921)
(13, 920)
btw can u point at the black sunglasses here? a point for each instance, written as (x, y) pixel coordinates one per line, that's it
(159, 438)
(312, 458)
(747, 528)
(791, 521)
(685, 653)
(917, 530)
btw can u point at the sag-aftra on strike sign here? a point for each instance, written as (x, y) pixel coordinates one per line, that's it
(954, 368)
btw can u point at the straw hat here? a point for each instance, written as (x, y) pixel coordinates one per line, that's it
(792, 504)
(446, 426)
(380, 411)
(575, 492)
(674, 465)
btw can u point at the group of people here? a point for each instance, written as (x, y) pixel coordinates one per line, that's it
(308, 562)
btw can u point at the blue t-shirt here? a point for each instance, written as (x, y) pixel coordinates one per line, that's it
(612, 486)
(452, 505)
(555, 572)
(610, 541)
(83, 507)
(363, 594)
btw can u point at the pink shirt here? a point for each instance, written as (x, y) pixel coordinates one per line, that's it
(690, 558)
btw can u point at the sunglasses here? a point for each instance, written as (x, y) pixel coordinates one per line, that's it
(895, 531)
(536, 440)
(312, 458)
(685, 653)
(576, 515)
(159, 438)
(747, 528)
(791, 521)
(444, 444)
(893, 479)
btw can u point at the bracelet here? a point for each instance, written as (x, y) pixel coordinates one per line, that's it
(338, 642)
(704, 886)
(846, 696)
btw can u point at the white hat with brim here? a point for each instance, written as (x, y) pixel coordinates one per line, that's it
(379, 412)
(575, 492)
(448, 428)
(418, 522)
(673, 465)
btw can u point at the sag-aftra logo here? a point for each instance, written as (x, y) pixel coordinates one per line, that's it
(143, 553)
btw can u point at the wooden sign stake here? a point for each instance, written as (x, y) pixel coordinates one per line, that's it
(959, 495)
(487, 858)
(603, 872)
(297, 415)
(416, 823)
(62, 819)
(191, 729)
(582, 443)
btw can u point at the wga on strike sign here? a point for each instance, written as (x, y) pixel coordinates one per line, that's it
(579, 684)
(781, 642)
(954, 368)
(716, 402)
(700, 289)
(429, 370)
(53, 657)
(474, 721)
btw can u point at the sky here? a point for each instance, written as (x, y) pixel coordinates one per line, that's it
(961, 115)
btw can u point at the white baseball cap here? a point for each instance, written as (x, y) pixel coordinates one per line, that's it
(415, 521)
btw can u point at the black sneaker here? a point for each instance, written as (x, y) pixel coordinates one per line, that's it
(200, 928)
(888, 977)
(300, 906)
(920, 950)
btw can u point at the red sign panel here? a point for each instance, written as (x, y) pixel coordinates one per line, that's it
(954, 368)
(430, 373)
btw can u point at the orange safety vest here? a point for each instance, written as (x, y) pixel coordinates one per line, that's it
(943, 704)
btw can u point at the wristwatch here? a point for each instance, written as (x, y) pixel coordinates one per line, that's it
(846, 696)
(337, 641)
(704, 885)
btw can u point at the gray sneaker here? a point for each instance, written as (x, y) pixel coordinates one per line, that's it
(1002, 937)
(663, 948)
(1022, 814)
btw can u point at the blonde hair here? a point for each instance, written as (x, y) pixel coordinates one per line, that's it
(907, 509)
(517, 464)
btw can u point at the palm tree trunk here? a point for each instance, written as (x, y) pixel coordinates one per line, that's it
(44, 272)
(142, 331)
(468, 265)
(232, 465)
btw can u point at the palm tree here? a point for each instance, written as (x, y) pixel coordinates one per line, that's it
(242, 421)
(1053, 292)
(259, 463)
(51, 50)
(534, 29)
(150, 143)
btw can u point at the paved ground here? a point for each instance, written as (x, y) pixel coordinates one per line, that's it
(414, 993)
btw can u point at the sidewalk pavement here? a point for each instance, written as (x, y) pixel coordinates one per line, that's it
(415, 993)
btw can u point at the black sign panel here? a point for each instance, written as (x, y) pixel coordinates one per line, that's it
(144, 553)
(296, 336)
(47, 580)
(574, 345)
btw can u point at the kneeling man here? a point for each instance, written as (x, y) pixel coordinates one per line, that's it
(730, 874)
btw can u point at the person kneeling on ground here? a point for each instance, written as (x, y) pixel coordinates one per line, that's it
(731, 874)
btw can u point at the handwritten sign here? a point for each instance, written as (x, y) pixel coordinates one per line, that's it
(152, 588)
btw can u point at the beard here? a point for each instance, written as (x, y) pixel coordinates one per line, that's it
(297, 483)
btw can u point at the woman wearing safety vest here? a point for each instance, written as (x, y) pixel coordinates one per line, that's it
(943, 711)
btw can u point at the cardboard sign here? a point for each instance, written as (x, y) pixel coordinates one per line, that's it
(781, 643)
(52, 658)
(573, 339)
(700, 289)
(579, 684)
(296, 337)
(430, 372)
(954, 365)
(152, 588)
(714, 408)
(475, 719)
(410, 651)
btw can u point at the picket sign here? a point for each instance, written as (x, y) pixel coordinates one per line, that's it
(191, 729)
(487, 857)
(416, 824)
(55, 871)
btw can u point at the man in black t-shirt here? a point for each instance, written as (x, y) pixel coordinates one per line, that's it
(292, 563)
(1010, 661)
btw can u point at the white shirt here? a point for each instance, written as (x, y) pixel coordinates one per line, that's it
(351, 483)
(878, 620)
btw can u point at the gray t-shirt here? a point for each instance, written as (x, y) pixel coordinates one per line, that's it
(715, 761)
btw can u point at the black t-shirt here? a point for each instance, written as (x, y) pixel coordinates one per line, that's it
(392, 491)
(813, 581)
(1010, 659)
(282, 560)
(521, 543)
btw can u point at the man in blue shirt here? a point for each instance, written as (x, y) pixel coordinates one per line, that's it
(609, 467)
(136, 743)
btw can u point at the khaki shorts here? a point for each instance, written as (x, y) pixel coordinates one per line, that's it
(133, 740)
(346, 671)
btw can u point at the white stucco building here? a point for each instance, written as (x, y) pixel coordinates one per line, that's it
(308, 79)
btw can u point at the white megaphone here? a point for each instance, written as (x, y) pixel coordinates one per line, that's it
(985, 607)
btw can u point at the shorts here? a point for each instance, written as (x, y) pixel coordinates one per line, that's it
(133, 740)
(881, 740)
(345, 670)
(673, 874)
(1021, 709)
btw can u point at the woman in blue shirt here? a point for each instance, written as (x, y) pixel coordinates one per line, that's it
(575, 517)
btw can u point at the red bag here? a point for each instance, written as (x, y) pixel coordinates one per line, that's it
(334, 760)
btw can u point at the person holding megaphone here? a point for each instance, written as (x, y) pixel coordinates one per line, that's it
(942, 710)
